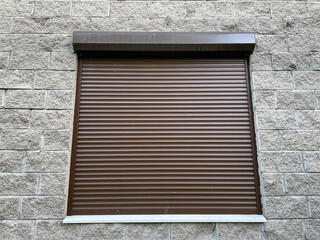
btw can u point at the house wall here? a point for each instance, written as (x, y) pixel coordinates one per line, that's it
(37, 86)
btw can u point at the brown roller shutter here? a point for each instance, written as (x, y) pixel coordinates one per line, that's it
(163, 136)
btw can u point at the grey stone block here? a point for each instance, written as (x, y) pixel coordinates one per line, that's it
(264, 99)
(307, 80)
(103, 231)
(302, 43)
(269, 140)
(303, 184)
(47, 162)
(122, 24)
(4, 59)
(60, 99)
(276, 119)
(273, 184)
(272, 80)
(20, 140)
(276, 26)
(315, 206)
(13, 118)
(52, 9)
(16, 9)
(130, 9)
(18, 184)
(29, 60)
(94, 8)
(51, 119)
(56, 43)
(240, 24)
(296, 99)
(30, 25)
(16, 79)
(62, 61)
(16, 230)
(281, 162)
(309, 119)
(312, 161)
(283, 230)
(260, 62)
(25, 99)
(313, 229)
(212, 9)
(252, 9)
(55, 80)
(11, 161)
(147, 231)
(56, 230)
(286, 207)
(271, 43)
(166, 9)
(52, 184)
(289, 9)
(315, 59)
(187, 24)
(43, 207)
(284, 61)
(191, 231)
(9, 208)
(308, 25)
(56, 140)
(240, 231)
(300, 140)
(5, 24)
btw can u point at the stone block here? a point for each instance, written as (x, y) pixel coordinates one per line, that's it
(51, 119)
(29, 60)
(5, 24)
(4, 60)
(55, 43)
(1, 98)
(25, 99)
(252, 9)
(302, 43)
(242, 231)
(314, 206)
(9, 208)
(264, 99)
(147, 231)
(55, 80)
(300, 140)
(289, 9)
(269, 140)
(92, 8)
(276, 26)
(52, 184)
(56, 140)
(283, 230)
(52, 9)
(238, 24)
(314, 9)
(192, 231)
(192, 25)
(271, 43)
(273, 184)
(11, 161)
(13, 118)
(307, 80)
(18, 184)
(309, 119)
(129, 9)
(272, 80)
(276, 119)
(30, 25)
(16, 230)
(56, 230)
(23, 42)
(62, 61)
(260, 62)
(315, 58)
(312, 161)
(297, 99)
(166, 9)
(308, 25)
(47, 162)
(16, 79)
(16, 8)
(313, 229)
(285, 61)
(43, 207)
(122, 24)
(286, 207)
(303, 184)
(103, 231)
(20, 140)
(211, 9)
(281, 162)
(60, 99)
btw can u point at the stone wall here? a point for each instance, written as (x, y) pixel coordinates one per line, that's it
(37, 82)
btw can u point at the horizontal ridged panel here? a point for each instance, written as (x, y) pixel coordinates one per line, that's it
(166, 136)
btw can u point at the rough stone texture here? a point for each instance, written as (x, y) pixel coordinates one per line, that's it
(18, 184)
(56, 140)
(315, 57)
(264, 100)
(103, 231)
(276, 119)
(56, 43)
(272, 80)
(291, 61)
(312, 161)
(252, 9)
(307, 80)
(273, 184)
(47, 162)
(289, 10)
(147, 231)
(296, 99)
(271, 43)
(239, 24)
(261, 62)
(94, 8)
(315, 206)
(60, 99)
(20, 140)
(56, 230)
(283, 230)
(313, 229)
(241, 231)
(185, 231)
(52, 184)
(309, 119)
(4, 60)
(29, 60)
(300, 140)
(52, 9)
(43, 207)
(9, 208)
(50, 119)
(17, 230)
(281, 162)
(16, 79)
(12, 118)
(269, 140)
(174, 9)
(121, 9)
(286, 207)
(303, 184)
(5, 24)
(62, 61)
(55, 80)
(11, 161)
(25, 99)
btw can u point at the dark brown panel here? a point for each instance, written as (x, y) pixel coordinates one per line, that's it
(163, 136)
(163, 42)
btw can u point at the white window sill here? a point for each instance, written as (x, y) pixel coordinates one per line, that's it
(179, 218)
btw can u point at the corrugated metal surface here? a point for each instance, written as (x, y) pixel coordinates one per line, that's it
(163, 136)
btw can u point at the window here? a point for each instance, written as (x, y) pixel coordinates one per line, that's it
(163, 133)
